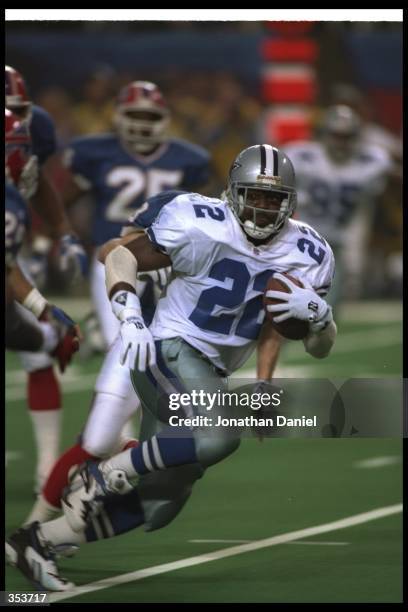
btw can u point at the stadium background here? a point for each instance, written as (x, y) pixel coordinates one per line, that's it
(230, 85)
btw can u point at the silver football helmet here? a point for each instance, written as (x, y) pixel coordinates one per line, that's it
(261, 190)
(340, 129)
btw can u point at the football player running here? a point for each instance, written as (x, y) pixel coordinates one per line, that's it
(121, 171)
(338, 178)
(222, 253)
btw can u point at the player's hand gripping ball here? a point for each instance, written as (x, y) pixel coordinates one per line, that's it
(292, 329)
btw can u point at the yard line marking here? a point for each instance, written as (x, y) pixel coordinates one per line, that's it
(320, 543)
(218, 541)
(350, 521)
(376, 462)
(244, 541)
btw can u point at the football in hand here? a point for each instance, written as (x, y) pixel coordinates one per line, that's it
(292, 329)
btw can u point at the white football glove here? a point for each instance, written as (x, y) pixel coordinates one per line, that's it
(300, 303)
(138, 350)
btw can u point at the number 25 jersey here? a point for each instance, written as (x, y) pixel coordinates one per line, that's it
(120, 181)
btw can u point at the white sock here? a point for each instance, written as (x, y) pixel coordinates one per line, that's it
(47, 428)
(42, 511)
(122, 461)
(59, 532)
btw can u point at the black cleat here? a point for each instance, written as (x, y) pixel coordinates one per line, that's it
(35, 560)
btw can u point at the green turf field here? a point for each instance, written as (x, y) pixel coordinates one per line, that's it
(263, 490)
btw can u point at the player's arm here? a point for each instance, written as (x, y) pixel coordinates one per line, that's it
(268, 349)
(71, 191)
(55, 332)
(48, 205)
(124, 258)
(319, 343)
(23, 334)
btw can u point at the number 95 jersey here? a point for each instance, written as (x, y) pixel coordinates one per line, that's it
(214, 300)
(120, 181)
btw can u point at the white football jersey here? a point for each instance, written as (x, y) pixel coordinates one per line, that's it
(330, 194)
(215, 298)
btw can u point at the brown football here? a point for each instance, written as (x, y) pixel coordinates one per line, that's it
(292, 329)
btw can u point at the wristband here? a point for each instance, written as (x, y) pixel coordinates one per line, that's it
(35, 302)
(125, 304)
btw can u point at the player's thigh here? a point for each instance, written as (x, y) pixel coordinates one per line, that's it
(182, 369)
(113, 377)
(114, 402)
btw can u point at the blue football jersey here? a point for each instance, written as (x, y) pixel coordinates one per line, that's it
(15, 224)
(121, 181)
(42, 130)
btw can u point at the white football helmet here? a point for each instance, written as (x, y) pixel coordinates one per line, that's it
(142, 116)
(261, 172)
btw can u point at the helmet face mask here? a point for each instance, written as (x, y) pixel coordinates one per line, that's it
(261, 191)
(141, 116)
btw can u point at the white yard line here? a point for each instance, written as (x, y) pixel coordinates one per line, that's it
(376, 462)
(219, 541)
(244, 541)
(231, 551)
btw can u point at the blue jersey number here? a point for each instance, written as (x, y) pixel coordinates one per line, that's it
(214, 213)
(307, 244)
(318, 255)
(249, 324)
(337, 203)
